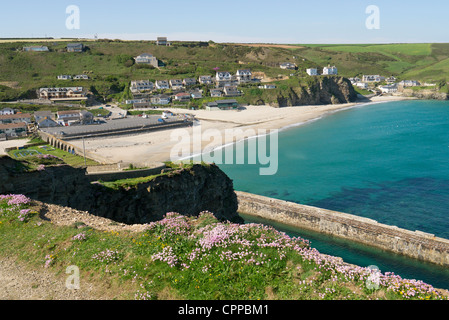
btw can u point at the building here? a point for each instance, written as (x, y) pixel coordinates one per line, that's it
(391, 80)
(47, 123)
(67, 118)
(64, 77)
(391, 88)
(81, 77)
(162, 41)
(196, 94)
(372, 78)
(183, 97)
(330, 70)
(86, 117)
(162, 85)
(7, 111)
(244, 76)
(13, 129)
(409, 83)
(231, 91)
(61, 94)
(222, 105)
(216, 93)
(288, 66)
(268, 86)
(15, 118)
(36, 49)
(176, 84)
(147, 59)
(139, 86)
(223, 78)
(188, 82)
(205, 80)
(160, 99)
(361, 85)
(312, 71)
(41, 115)
(75, 47)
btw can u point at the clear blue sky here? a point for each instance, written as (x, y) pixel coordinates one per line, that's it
(271, 21)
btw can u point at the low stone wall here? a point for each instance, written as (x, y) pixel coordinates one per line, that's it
(124, 174)
(419, 245)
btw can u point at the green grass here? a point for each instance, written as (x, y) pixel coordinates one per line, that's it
(191, 258)
(66, 157)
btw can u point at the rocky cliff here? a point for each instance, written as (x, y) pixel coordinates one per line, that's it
(187, 191)
(317, 91)
(427, 94)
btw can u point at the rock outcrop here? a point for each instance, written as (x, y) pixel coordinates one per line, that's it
(187, 191)
(319, 91)
(427, 94)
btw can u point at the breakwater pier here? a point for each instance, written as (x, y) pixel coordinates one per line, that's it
(415, 244)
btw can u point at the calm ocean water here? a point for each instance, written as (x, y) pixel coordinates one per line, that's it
(387, 161)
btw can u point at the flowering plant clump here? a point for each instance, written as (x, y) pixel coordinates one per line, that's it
(107, 256)
(223, 257)
(25, 215)
(172, 225)
(16, 205)
(45, 159)
(49, 260)
(80, 237)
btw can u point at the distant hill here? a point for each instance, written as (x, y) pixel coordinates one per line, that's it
(110, 66)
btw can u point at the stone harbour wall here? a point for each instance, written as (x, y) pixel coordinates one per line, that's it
(417, 244)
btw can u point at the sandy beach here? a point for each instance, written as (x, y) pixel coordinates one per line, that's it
(153, 147)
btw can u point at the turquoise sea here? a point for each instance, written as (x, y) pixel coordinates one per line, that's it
(385, 161)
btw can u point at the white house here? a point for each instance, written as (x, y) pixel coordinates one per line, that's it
(66, 118)
(176, 84)
(139, 86)
(409, 83)
(372, 78)
(187, 82)
(244, 76)
(312, 71)
(391, 88)
(81, 77)
(6, 111)
(223, 78)
(205, 80)
(64, 77)
(330, 70)
(162, 84)
(288, 66)
(148, 59)
(160, 99)
(361, 85)
(231, 91)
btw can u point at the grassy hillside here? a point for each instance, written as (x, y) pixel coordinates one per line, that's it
(192, 258)
(111, 68)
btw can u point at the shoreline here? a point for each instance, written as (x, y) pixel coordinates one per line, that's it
(156, 147)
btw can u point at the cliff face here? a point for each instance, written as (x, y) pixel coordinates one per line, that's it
(186, 191)
(425, 94)
(322, 90)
